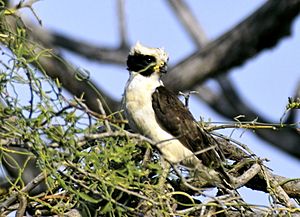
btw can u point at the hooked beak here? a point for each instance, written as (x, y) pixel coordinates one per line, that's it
(163, 69)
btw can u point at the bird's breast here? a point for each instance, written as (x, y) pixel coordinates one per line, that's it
(141, 116)
(138, 106)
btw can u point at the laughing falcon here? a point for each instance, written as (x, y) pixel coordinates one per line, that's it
(158, 114)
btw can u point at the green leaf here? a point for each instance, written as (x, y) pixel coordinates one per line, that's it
(87, 197)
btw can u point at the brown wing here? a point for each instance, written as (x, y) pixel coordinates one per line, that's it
(178, 121)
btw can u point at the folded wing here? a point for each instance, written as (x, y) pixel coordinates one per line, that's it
(175, 118)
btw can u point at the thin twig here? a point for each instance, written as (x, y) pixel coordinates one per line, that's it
(146, 158)
(72, 165)
(83, 107)
(116, 134)
(244, 146)
(32, 184)
(184, 181)
(29, 4)
(246, 125)
(275, 190)
(22, 206)
(106, 123)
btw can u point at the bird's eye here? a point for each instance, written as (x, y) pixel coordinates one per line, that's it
(143, 64)
(149, 59)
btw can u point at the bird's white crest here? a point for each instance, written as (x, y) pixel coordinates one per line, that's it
(160, 54)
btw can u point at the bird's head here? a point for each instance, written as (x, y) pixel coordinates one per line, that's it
(147, 61)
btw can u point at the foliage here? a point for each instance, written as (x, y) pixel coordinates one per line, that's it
(35, 114)
(89, 161)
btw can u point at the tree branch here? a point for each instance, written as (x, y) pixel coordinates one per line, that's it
(87, 89)
(261, 30)
(232, 152)
(32, 184)
(122, 24)
(85, 49)
(192, 26)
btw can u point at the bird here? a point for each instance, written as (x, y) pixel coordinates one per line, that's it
(157, 113)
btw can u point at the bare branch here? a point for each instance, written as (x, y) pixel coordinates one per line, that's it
(232, 152)
(106, 123)
(122, 24)
(85, 49)
(246, 176)
(85, 88)
(22, 207)
(29, 4)
(185, 16)
(276, 191)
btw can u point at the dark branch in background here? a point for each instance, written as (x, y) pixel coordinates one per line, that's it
(69, 76)
(189, 21)
(109, 55)
(78, 87)
(263, 29)
(122, 24)
(90, 51)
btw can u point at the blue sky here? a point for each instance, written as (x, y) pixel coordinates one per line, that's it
(265, 81)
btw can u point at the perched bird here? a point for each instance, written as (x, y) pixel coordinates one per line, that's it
(157, 113)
